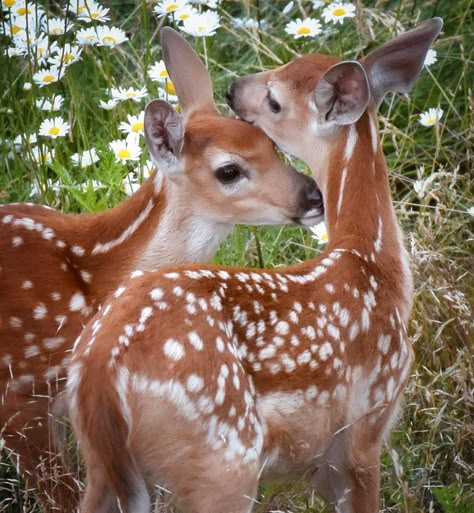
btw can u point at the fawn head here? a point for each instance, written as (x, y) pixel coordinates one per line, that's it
(302, 104)
(234, 166)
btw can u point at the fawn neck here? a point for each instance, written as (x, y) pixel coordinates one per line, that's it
(154, 227)
(359, 212)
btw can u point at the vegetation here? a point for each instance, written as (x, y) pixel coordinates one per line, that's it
(428, 464)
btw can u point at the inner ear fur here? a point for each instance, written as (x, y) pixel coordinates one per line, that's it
(164, 133)
(342, 94)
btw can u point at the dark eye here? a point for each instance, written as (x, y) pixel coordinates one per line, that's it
(275, 107)
(228, 174)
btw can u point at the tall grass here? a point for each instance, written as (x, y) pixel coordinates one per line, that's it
(428, 464)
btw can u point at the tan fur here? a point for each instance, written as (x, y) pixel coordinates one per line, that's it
(298, 370)
(55, 280)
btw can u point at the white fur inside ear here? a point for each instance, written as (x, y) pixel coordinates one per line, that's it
(164, 132)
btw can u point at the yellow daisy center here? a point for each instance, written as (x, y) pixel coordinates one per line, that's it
(169, 88)
(171, 7)
(138, 126)
(9, 3)
(431, 121)
(90, 38)
(201, 29)
(41, 51)
(54, 130)
(124, 154)
(303, 30)
(131, 94)
(164, 73)
(95, 15)
(68, 57)
(183, 16)
(325, 237)
(15, 29)
(57, 31)
(48, 78)
(339, 12)
(81, 9)
(109, 39)
(23, 10)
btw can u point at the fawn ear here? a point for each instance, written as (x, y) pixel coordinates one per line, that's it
(189, 75)
(164, 133)
(396, 65)
(342, 94)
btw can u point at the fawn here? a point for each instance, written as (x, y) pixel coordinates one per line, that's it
(214, 172)
(206, 376)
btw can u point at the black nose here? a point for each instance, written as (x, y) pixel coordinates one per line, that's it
(312, 197)
(229, 94)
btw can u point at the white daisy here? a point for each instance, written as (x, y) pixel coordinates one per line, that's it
(94, 12)
(202, 24)
(27, 86)
(54, 128)
(431, 57)
(431, 117)
(48, 76)
(157, 72)
(145, 170)
(319, 3)
(108, 105)
(15, 51)
(168, 91)
(470, 211)
(87, 36)
(135, 125)
(125, 150)
(130, 184)
(337, 12)
(56, 26)
(212, 4)
(66, 56)
(42, 49)
(169, 6)
(121, 94)
(50, 105)
(41, 154)
(183, 13)
(248, 23)
(320, 233)
(86, 158)
(24, 140)
(110, 36)
(303, 28)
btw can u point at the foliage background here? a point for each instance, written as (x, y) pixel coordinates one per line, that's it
(428, 464)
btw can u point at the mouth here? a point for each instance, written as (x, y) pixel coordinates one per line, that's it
(311, 218)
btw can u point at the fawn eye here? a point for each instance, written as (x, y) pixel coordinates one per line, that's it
(275, 107)
(227, 174)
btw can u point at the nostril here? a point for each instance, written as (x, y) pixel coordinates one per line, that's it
(315, 198)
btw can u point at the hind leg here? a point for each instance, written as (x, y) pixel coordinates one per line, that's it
(100, 496)
(224, 489)
(29, 441)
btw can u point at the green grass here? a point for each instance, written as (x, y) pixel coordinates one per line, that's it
(430, 457)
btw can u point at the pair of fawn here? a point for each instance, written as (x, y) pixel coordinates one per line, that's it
(57, 270)
(199, 377)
